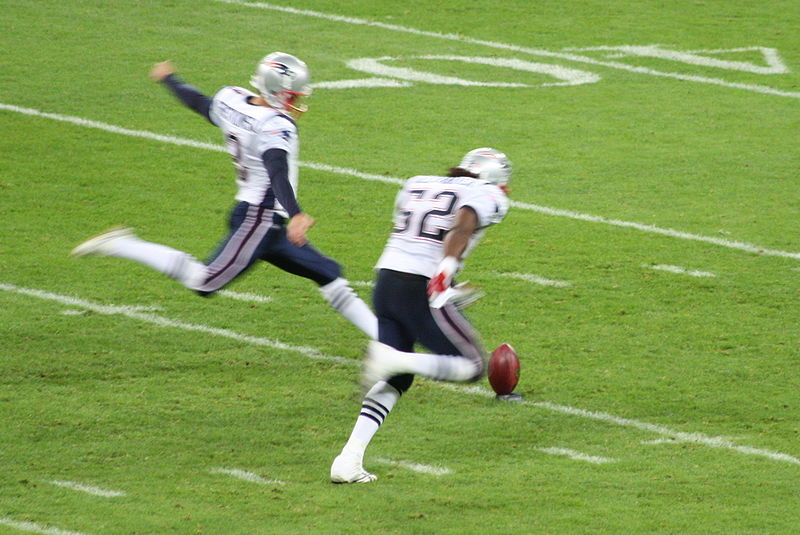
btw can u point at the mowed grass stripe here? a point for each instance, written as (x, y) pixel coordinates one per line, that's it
(696, 438)
(742, 246)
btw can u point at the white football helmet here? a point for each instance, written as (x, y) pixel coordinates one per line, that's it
(282, 80)
(489, 164)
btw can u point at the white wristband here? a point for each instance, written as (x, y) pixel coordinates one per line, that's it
(449, 265)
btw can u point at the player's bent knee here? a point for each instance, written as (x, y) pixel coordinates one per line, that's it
(401, 382)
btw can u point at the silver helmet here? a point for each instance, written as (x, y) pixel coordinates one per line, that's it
(489, 164)
(282, 80)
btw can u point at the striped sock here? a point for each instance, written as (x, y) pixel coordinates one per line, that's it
(376, 406)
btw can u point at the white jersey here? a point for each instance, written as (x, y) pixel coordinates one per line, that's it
(425, 209)
(250, 130)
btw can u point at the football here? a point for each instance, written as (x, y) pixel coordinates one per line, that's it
(503, 370)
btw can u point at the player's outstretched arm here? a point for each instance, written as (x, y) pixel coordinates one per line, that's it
(191, 97)
(161, 71)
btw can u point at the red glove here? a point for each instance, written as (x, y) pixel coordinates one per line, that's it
(443, 278)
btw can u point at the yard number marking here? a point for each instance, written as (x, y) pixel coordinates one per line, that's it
(565, 55)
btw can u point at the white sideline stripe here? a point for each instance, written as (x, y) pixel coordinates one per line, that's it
(246, 476)
(88, 489)
(525, 50)
(747, 247)
(695, 438)
(30, 527)
(416, 467)
(576, 455)
(679, 270)
(367, 284)
(166, 322)
(529, 277)
(239, 296)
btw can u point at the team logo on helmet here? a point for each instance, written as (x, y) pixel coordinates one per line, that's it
(287, 74)
(283, 81)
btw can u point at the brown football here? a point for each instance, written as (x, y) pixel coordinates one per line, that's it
(504, 370)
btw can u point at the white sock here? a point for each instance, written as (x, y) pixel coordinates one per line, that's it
(454, 368)
(171, 262)
(344, 300)
(377, 404)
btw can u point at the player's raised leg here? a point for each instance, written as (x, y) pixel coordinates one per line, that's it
(344, 300)
(123, 243)
(306, 261)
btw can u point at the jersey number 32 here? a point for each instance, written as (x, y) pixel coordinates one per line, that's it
(426, 214)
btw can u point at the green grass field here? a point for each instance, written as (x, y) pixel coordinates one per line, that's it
(647, 273)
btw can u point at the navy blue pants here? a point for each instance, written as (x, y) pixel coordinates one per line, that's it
(405, 318)
(258, 233)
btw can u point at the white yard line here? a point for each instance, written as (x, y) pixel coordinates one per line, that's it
(161, 321)
(679, 270)
(88, 489)
(695, 438)
(239, 296)
(576, 455)
(246, 476)
(742, 246)
(416, 467)
(514, 48)
(529, 277)
(31, 527)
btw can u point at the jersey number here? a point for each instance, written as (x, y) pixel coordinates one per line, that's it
(235, 150)
(425, 228)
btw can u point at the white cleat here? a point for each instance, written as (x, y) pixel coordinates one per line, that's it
(379, 364)
(102, 244)
(347, 469)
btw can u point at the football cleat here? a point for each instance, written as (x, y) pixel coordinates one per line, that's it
(346, 468)
(102, 244)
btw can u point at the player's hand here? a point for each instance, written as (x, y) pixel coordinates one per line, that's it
(297, 228)
(161, 71)
(443, 278)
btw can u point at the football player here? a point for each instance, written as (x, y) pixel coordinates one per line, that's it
(266, 222)
(438, 220)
